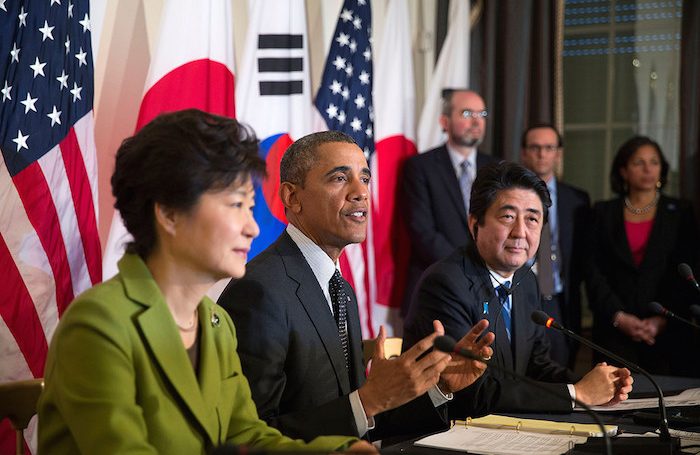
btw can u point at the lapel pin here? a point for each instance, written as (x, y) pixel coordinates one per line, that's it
(486, 307)
(215, 321)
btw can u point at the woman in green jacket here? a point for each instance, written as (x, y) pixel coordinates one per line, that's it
(145, 362)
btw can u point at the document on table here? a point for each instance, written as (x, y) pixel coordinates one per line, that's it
(690, 397)
(491, 441)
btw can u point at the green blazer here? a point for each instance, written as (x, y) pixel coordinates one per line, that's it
(118, 379)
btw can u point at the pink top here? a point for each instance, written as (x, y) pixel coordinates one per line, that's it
(638, 237)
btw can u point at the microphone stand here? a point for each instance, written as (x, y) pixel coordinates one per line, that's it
(447, 344)
(668, 443)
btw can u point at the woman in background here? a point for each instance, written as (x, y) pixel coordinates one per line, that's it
(639, 238)
(145, 362)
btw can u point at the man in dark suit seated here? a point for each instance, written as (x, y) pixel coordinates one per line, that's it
(436, 184)
(561, 257)
(487, 279)
(297, 321)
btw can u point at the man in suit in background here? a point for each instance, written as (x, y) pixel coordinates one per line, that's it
(436, 184)
(561, 258)
(489, 278)
(297, 321)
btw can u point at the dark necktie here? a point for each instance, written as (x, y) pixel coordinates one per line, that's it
(502, 292)
(340, 300)
(545, 274)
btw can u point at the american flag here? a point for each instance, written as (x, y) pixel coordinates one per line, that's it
(344, 100)
(49, 244)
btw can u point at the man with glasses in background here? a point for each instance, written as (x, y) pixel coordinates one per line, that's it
(437, 184)
(560, 260)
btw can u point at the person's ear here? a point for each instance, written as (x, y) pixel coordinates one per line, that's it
(165, 217)
(473, 226)
(289, 195)
(444, 122)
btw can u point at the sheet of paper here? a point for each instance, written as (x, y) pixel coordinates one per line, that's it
(489, 441)
(690, 397)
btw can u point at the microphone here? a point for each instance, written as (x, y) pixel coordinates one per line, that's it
(447, 344)
(542, 318)
(687, 274)
(657, 308)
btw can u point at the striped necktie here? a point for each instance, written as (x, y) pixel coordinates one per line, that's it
(503, 296)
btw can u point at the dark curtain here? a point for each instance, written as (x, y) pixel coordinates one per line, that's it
(690, 103)
(512, 66)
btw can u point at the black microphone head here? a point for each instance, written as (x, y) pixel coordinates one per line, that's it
(695, 309)
(685, 271)
(445, 343)
(657, 308)
(540, 317)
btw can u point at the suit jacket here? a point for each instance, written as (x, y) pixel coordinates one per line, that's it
(617, 284)
(434, 207)
(458, 291)
(574, 218)
(291, 352)
(119, 380)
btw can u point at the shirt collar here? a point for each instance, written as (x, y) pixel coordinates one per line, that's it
(321, 264)
(456, 158)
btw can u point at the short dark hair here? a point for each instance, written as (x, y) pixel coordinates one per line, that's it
(496, 177)
(624, 154)
(535, 126)
(301, 155)
(447, 94)
(172, 161)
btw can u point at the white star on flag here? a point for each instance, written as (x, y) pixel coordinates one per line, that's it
(343, 39)
(359, 101)
(332, 110)
(345, 93)
(348, 70)
(14, 53)
(63, 79)
(55, 1)
(2, 5)
(29, 103)
(55, 116)
(70, 9)
(85, 23)
(6, 92)
(341, 117)
(346, 15)
(367, 54)
(22, 16)
(339, 63)
(82, 57)
(46, 31)
(75, 91)
(357, 22)
(364, 77)
(67, 44)
(38, 68)
(353, 46)
(21, 141)
(356, 124)
(335, 87)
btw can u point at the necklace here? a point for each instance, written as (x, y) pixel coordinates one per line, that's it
(641, 210)
(191, 326)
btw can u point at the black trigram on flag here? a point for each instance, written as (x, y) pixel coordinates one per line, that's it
(279, 57)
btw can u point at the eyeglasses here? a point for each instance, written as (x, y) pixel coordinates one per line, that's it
(537, 147)
(474, 114)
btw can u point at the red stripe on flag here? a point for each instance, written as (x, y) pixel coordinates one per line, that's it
(35, 194)
(82, 201)
(18, 311)
(201, 84)
(390, 234)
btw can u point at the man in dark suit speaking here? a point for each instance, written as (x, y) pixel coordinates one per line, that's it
(297, 321)
(561, 257)
(436, 184)
(487, 279)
